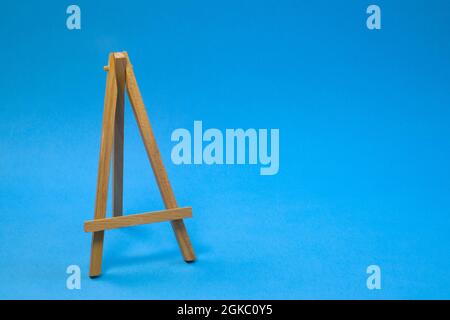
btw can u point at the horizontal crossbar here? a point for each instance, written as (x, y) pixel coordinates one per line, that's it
(137, 219)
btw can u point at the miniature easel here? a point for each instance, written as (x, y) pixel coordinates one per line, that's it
(121, 75)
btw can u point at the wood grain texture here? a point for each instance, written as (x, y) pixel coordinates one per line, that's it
(137, 219)
(117, 161)
(104, 167)
(154, 156)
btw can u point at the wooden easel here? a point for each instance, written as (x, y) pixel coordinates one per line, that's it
(121, 75)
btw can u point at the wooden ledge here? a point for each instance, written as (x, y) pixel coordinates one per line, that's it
(137, 219)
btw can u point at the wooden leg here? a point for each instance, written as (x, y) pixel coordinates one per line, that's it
(117, 179)
(95, 268)
(183, 240)
(104, 167)
(156, 162)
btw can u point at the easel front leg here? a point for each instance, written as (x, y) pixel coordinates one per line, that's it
(104, 167)
(183, 240)
(156, 162)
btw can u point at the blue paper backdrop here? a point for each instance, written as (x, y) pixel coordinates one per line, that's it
(364, 148)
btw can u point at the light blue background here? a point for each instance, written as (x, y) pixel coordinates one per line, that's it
(364, 148)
